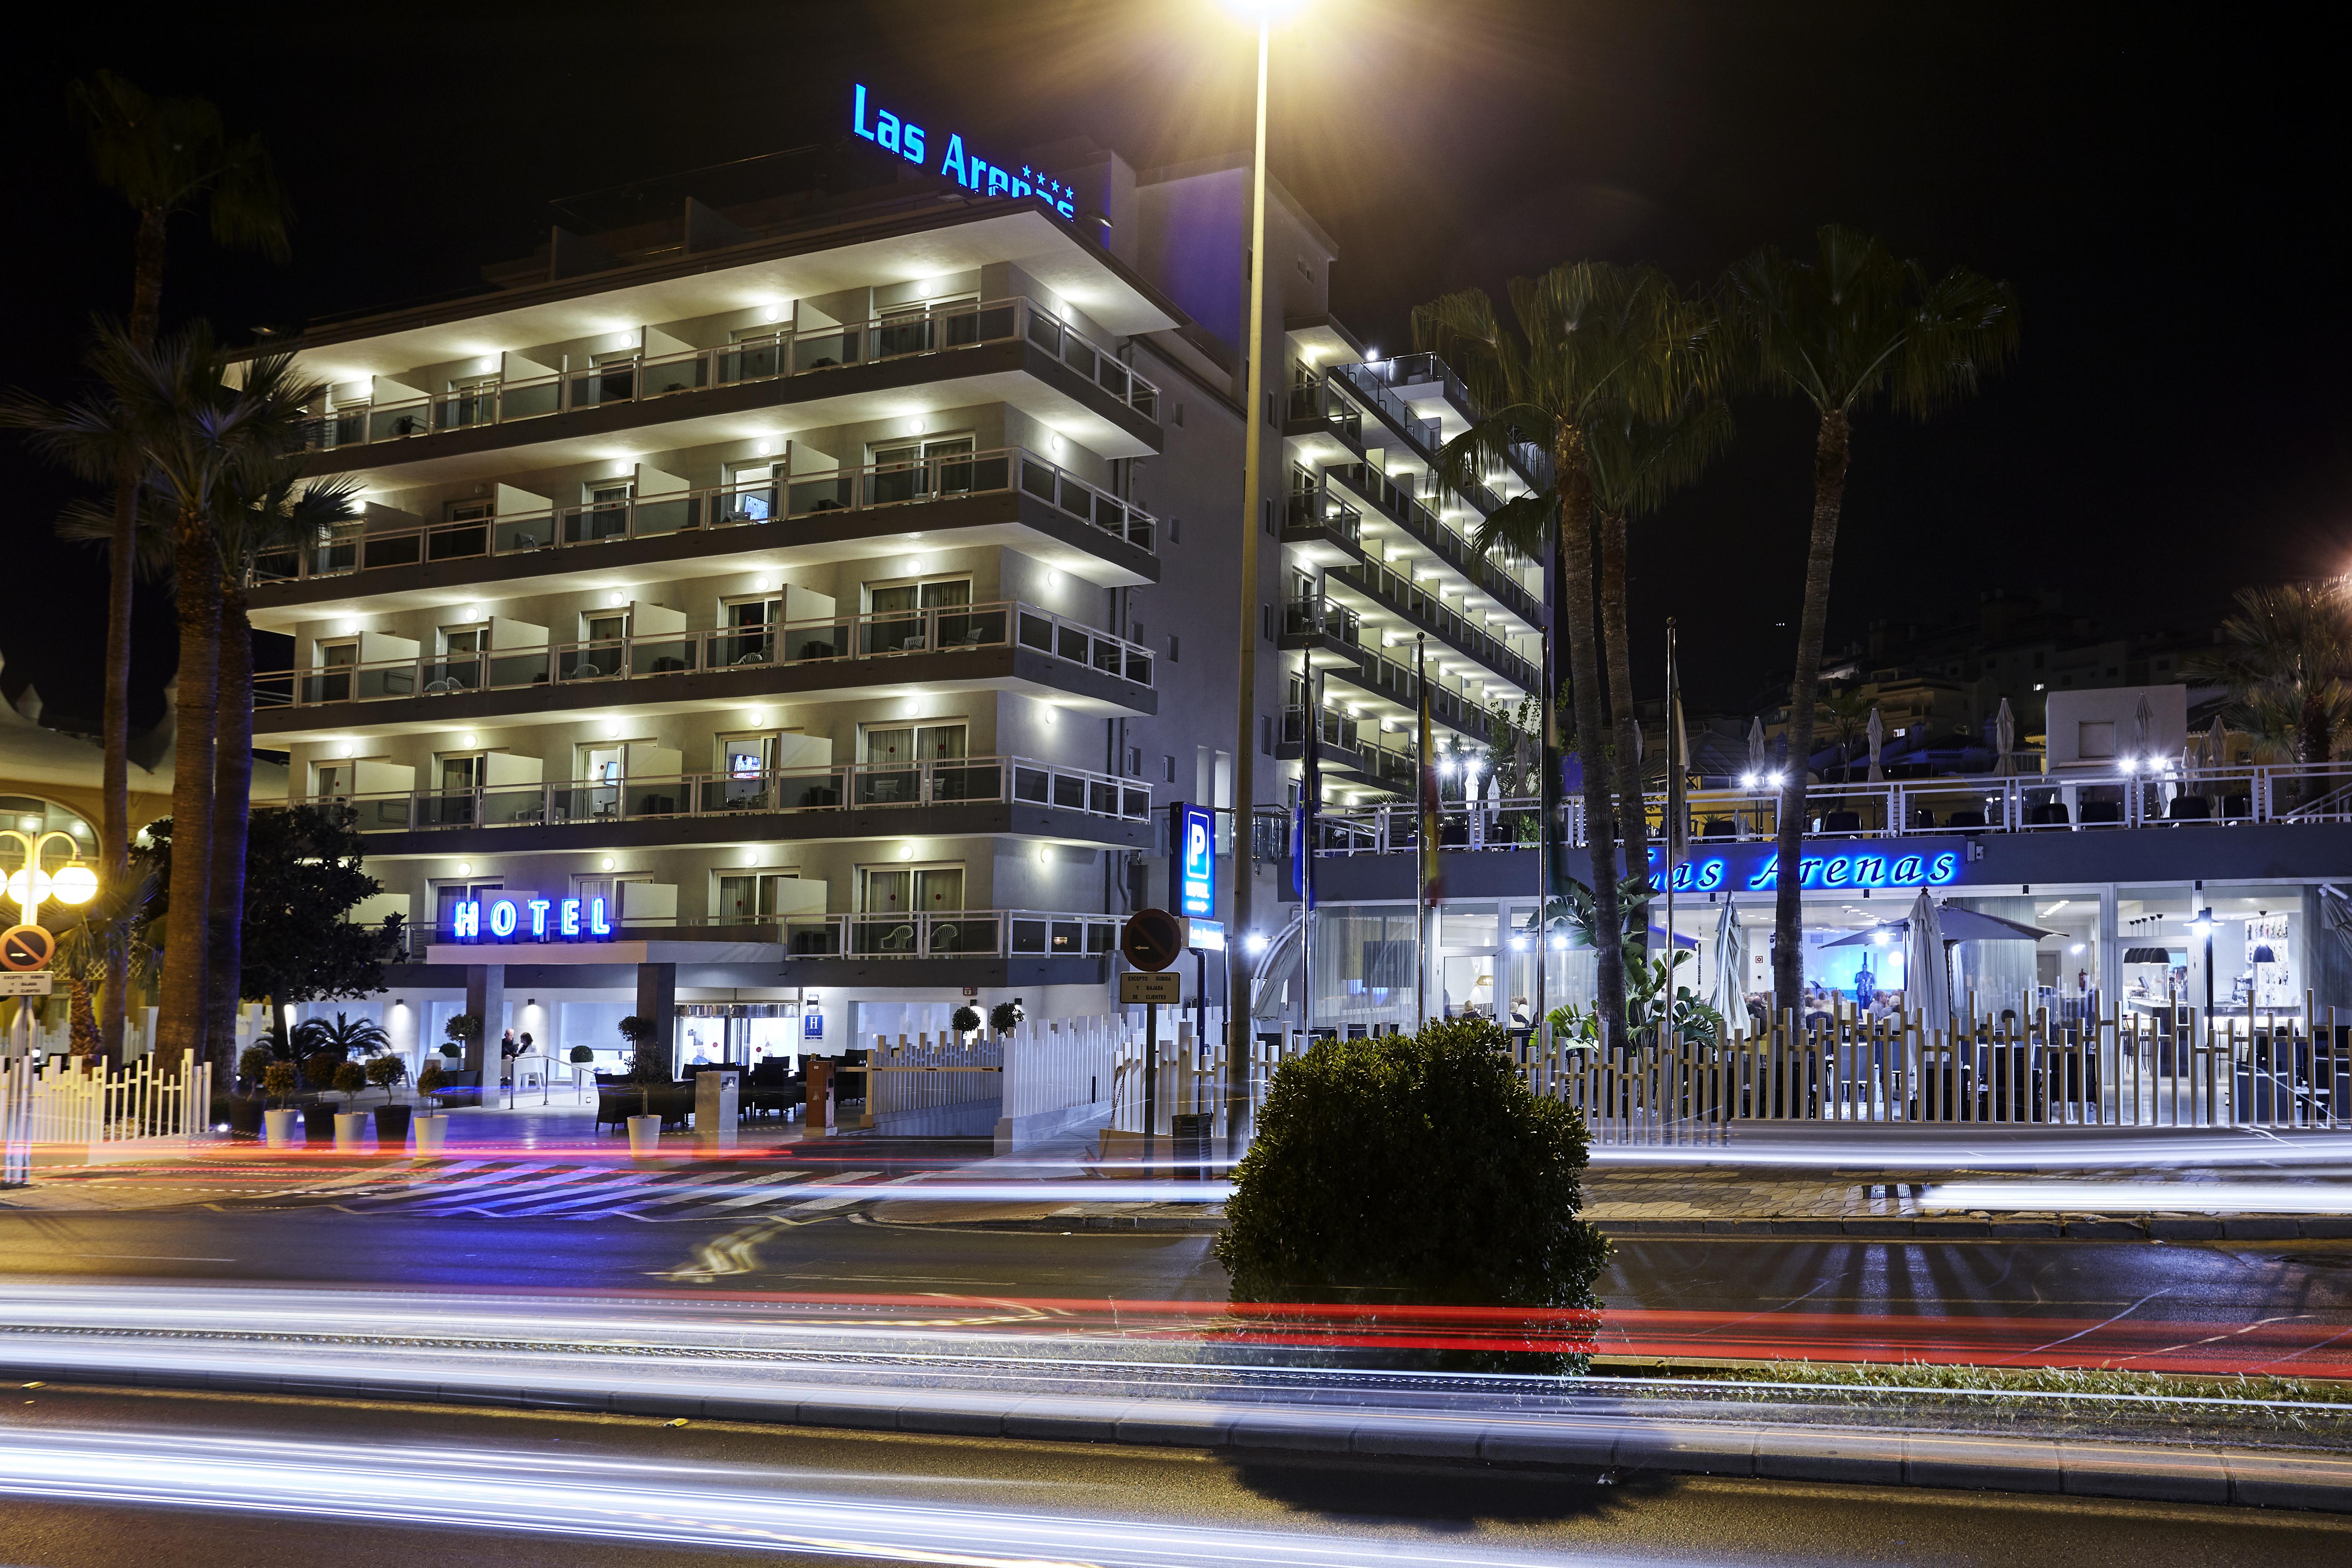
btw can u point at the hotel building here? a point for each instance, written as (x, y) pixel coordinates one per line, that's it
(788, 619)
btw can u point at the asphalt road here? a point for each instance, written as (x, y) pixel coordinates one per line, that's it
(366, 1485)
(1732, 1298)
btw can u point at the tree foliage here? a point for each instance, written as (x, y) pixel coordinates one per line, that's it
(1415, 1169)
(303, 875)
(2285, 654)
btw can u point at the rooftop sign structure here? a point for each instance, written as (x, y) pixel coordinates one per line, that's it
(896, 134)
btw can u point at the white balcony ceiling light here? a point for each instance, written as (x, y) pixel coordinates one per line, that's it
(471, 740)
(607, 863)
(465, 868)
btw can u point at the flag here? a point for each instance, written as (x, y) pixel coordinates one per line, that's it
(1310, 791)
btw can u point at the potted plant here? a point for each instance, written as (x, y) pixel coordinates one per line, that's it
(319, 1115)
(387, 1073)
(431, 1123)
(349, 1079)
(646, 1069)
(277, 1122)
(245, 1110)
(964, 1021)
(583, 1056)
(465, 1032)
(1005, 1016)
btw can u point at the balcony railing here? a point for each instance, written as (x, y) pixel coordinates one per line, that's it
(960, 934)
(788, 353)
(1418, 605)
(961, 781)
(2222, 796)
(1312, 507)
(964, 628)
(1442, 539)
(559, 529)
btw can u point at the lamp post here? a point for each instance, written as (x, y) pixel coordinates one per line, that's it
(1243, 775)
(29, 945)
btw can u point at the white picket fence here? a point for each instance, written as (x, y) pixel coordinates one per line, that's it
(927, 1085)
(60, 1112)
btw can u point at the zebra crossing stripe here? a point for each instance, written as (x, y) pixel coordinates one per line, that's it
(842, 1200)
(685, 1192)
(582, 1197)
(513, 1200)
(430, 1190)
(767, 1190)
(499, 1186)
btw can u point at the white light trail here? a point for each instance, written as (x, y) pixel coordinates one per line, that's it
(2144, 1197)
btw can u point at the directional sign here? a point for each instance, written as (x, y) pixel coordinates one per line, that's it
(41, 983)
(26, 947)
(1138, 987)
(1153, 939)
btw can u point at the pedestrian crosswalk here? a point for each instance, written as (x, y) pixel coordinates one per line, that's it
(543, 1189)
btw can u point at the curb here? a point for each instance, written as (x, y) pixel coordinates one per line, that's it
(1600, 1448)
(2005, 1227)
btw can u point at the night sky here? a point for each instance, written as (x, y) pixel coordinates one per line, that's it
(2163, 186)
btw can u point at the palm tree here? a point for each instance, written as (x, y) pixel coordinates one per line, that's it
(2286, 657)
(261, 513)
(1593, 343)
(1843, 330)
(207, 450)
(345, 1037)
(1636, 463)
(1849, 717)
(164, 157)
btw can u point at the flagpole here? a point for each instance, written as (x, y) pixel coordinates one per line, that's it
(1310, 798)
(1425, 856)
(1674, 812)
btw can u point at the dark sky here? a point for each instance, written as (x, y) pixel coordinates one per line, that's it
(2164, 185)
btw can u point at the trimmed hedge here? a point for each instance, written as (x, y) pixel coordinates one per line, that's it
(1415, 1169)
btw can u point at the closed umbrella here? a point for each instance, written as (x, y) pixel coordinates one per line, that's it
(1877, 744)
(2217, 757)
(1494, 805)
(1926, 977)
(2143, 720)
(1728, 995)
(1756, 763)
(2004, 729)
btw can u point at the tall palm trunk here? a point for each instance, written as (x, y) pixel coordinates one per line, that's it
(232, 814)
(1830, 459)
(1616, 645)
(1585, 678)
(115, 827)
(180, 1023)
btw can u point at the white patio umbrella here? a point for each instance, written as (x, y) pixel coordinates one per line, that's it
(1728, 994)
(1494, 803)
(1755, 762)
(1926, 973)
(1877, 744)
(2004, 729)
(2143, 720)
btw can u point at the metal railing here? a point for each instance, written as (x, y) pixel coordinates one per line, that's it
(558, 529)
(787, 353)
(1430, 612)
(1381, 495)
(960, 934)
(962, 628)
(2221, 797)
(959, 781)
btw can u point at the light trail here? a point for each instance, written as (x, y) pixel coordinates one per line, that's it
(528, 1492)
(2144, 1197)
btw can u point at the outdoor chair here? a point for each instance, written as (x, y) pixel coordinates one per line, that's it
(1719, 827)
(2188, 808)
(1965, 819)
(2049, 813)
(2095, 812)
(1842, 821)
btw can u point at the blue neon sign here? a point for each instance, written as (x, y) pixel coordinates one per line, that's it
(896, 134)
(526, 920)
(1196, 860)
(1931, 867)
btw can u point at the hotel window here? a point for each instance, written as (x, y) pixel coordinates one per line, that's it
(750, 491)
(899, 622)
(918, 470)
(910, 890)
(471, 400)
(750, 895)
(460, 670)
(447, 896)
(335, 661)
(330, 780)
(750, 628)
(901, 745)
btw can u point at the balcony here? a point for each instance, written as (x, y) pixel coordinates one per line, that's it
(1391, 592)
(805, 520)
(1418, 378)
(1425, 528)
(1348, 747)
(964, 795)
(962, 933)
(790, 366)
(1009, 645)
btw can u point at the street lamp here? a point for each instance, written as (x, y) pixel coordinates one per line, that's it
(31, 887)
(1263, 13)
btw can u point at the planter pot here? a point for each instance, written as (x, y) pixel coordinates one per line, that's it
(350, 1126)
(318, 1123)
(431, 1130)
(644, 1135)
(391, 1126)
(277, 1127)
(244, 1116)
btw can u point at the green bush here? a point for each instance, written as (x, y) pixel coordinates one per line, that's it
(386, 1071)
(434, 1076)
(583, 1055)
(965, 1020)
(277, 1081)
(255, 1060)
(1005, 1016)
(1416, 1169)
(351, 1078)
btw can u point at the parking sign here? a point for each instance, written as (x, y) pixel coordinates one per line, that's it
(1196, 859)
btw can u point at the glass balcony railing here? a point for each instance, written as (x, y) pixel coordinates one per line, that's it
(935, 329)
(962, 628)
(959, 781)
(1379, 493)
(555, 529)
(1430, 612)
(954, 934)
